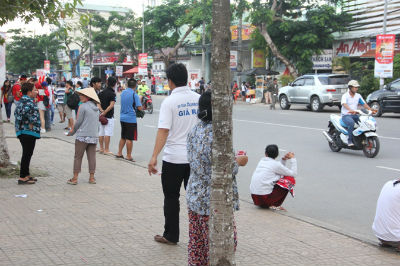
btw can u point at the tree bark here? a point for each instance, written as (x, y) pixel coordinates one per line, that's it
(4, 155)
(221, 205)
(275, 51)
(203, 50)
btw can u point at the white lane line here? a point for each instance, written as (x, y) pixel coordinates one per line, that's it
(150, 126)
(292, 126)
(274, 124)
(388, 168)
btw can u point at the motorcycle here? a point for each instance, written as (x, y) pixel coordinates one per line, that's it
(364, 134)
(147, 102)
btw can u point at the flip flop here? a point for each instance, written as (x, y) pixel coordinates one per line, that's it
(130, 159)
(72, 182)
(26, 182)
(92, 181)
(119, 156)
(109, 153)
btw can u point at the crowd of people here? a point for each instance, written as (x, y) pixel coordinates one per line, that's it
(184, 134)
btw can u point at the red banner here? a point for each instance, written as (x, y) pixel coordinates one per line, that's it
(46, 65)
(143, 64)
(384, 54)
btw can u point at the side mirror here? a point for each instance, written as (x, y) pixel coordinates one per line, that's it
(385, 87)
(290, 84)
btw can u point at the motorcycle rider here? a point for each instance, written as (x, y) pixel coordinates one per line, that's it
(350, 101)
(142, 89)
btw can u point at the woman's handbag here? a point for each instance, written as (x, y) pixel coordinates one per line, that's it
(139, 113)
(103, 120)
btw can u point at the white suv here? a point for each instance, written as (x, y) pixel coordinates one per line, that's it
(315, 90)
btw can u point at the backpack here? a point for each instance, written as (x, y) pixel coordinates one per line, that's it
(46, 101)
(73, 101)
(10, 97)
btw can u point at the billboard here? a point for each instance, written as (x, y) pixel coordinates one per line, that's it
(2, 59)
(259, 58)
(119, 70)
(143, 64)
(233, 60)
(46, 65)
(85, 72)
(384, 54)
(247, 30)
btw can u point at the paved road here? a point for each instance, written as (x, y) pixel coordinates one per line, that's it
(336, 190)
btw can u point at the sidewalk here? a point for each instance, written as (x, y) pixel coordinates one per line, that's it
(114, 221)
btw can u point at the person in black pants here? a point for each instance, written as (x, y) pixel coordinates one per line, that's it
(27, 128)
(178, 115)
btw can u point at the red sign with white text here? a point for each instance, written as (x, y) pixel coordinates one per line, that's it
(384, 54)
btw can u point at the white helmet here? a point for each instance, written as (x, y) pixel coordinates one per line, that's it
(353, 83)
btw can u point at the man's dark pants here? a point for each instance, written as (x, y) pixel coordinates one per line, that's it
(171, 178)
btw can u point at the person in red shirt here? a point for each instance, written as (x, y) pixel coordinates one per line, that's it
(42, 92)
(153, 84)
(6, 93)
(16, 89)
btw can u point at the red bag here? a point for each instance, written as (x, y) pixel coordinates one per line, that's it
(103, 120)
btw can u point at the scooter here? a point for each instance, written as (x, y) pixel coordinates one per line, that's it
(147, 102)
(364, 134)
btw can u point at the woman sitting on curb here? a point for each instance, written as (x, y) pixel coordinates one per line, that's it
(87, 129)
(263, 187)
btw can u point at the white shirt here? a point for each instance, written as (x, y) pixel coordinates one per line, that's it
(192, 84)
(386, 224)
(268, 172)
(352, 102)
(244, 88)
(178, 113)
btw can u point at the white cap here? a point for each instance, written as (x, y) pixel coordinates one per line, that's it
(353, 83)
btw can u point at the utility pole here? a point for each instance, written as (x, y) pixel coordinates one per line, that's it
(143, 31)
(382, 80)
(90, 47)
(239, 58)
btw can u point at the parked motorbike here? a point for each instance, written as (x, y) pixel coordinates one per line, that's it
(364, 134)
(147, 102)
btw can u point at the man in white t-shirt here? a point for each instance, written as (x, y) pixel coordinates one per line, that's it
(350, 102)
(192, 84)
(386, 224)
(178, 115)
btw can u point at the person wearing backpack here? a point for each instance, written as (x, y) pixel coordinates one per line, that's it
(69, 91)
(7, 98)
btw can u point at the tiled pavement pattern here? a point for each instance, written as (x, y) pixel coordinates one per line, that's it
(114, 221)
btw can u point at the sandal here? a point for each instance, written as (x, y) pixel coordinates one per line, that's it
(119, 156)
(92, 181)
(32, 178)
(72, 182)
(130, 159)
(109, 153)
(26, 182)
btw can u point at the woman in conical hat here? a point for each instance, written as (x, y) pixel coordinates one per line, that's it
(86, 129)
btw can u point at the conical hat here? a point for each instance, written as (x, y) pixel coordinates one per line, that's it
(91, 93)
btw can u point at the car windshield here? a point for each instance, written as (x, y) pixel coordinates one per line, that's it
(334, 80)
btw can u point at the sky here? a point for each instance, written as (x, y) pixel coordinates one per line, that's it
(36, 28)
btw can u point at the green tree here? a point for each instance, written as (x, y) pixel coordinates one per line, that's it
(294, 30)
(26, 53)
(75, 35)
(116, 33)
(44, 10)
(169, 24)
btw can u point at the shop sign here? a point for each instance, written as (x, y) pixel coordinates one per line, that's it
(322, 61)
(354, 48)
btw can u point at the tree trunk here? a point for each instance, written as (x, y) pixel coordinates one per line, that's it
(239, 55)
(4, 155)
(221, 205)
(275, 51)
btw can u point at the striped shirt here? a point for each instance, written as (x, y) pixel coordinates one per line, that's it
(59, 93)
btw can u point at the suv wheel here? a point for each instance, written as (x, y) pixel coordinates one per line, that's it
(377, 106)
(284, 102)
(316, 105)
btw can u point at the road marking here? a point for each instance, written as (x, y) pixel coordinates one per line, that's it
(388, 168)
(292, 126)
(150, 126)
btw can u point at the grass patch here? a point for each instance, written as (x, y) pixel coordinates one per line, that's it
(12, 171)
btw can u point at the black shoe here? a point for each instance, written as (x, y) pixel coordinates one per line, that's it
(26, 182)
